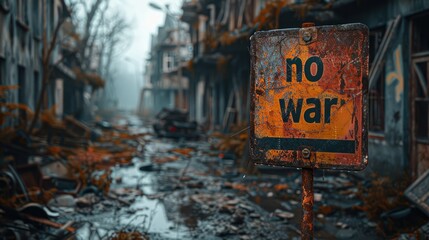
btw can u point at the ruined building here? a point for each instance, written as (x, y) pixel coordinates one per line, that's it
(21, 44)
(167, 85)
(399, 73)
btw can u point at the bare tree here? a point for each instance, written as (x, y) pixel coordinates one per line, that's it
(88, 17)
(49, 43)
(112, 41)
(102, 34)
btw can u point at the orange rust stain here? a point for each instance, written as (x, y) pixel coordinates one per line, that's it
(341, 79)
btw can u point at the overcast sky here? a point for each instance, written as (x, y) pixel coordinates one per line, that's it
(144, 22)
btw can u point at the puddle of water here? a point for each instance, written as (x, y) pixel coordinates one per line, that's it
(132, 177)
(158, 147)
(152, 213)
(144, 215)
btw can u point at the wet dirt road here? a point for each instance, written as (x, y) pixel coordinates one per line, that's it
(179, 189)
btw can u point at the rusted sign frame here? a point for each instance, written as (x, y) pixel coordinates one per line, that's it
(301, 146)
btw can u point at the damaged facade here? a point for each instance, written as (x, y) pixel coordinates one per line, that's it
(21, 46)
(219, 71)
(168, 85)
(399, 57)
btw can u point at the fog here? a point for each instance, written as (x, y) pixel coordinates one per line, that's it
(128, 67)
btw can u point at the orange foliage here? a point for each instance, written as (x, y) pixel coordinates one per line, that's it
(5, 88)
(54, 150)
(103, 181)
(268, 17)
(162, 160)
(123, 235)
(10, 108)
(235, 143)
(92, 79)
(85, 162)
(13, 110)
(190, 66)
(210, 41)
(383, 195)
(183, 151)
(239, 187)
(48, 117)
(222, 64)
(281, 186)
(227, 38)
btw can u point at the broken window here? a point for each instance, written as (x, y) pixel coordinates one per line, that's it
(3, 97)
(22, 11)
(377, 92)
(420, 66)
(2, 72)
(36, 18)
(168, 62)
(22, 94)
(5, 4)
(21, 83)
(36, 88)
(421, 71)
(420, 39)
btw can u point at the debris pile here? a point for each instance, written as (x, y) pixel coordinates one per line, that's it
(64, 165)
(233, 143)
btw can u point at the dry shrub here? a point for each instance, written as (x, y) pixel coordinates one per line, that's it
(222, 64)
(227, 38)
(384, 194)
(268, 16)
(235, 142)
(134, 235)
(13, 110)
(92, 79)
(5, 88)
(190, 66)
(183, 151)
(85, 164)
(49, 118)
(210, 42)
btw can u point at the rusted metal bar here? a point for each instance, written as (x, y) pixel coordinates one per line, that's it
(307, 187)
(307, 203)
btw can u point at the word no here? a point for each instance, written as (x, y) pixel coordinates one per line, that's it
(312, 114)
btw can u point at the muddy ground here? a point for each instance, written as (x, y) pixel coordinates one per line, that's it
(181, 189)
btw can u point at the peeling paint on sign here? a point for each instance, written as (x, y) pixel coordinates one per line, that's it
(309, 92)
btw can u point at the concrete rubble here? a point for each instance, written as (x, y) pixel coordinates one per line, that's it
(157, 188)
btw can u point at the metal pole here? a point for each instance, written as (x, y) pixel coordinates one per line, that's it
(307, 187)
(307, 203)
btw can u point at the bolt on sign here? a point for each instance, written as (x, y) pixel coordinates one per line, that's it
(309, 97)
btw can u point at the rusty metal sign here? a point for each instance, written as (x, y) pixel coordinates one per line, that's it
(309, 97)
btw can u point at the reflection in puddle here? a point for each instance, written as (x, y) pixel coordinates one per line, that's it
(145, 214)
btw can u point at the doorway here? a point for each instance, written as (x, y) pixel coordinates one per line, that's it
(419, 95)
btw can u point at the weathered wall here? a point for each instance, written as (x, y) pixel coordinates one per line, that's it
(21, 48)
(389, 154)
(18, 48)
(389, 151)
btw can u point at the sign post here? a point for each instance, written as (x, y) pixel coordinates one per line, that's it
(307, 203)
(309, 91)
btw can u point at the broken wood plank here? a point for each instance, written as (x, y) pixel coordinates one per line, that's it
(50, 223)
(376, 66)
